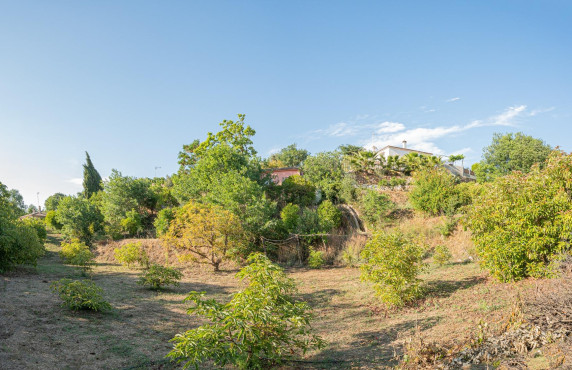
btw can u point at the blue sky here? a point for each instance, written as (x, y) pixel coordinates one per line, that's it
(132, 81)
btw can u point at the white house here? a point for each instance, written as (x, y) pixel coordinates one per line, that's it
(395, 150)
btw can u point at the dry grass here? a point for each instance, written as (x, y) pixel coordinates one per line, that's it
(35, 332)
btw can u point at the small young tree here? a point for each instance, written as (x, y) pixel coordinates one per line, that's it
(261, 325)
(290, 216)
(434, 191)
(392, 263)
(158, 276)
(209, 233)
(329, 216)
(79, 217)
(374, 206)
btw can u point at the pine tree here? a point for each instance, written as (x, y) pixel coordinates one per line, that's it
(91, 178)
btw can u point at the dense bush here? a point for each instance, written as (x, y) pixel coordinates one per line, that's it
(442, 255)
(393, 182)
(298, 190)
(448, 226)
(434, 191)
(329, 216)
(521, 223)
(158, 276)
(392, 263)
(261, 325)
(163, 220)
(80, 295)
(51, 221)
(316, 259)
(77, 253)
(374, 206)
(132, 223)
(131, 253)
(19, 244)
(39, 226)
(80, 218)
(290, 216)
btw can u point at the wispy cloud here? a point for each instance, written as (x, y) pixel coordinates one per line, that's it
(76, 181)
(452, 99)
(354, 128)
(423, 138)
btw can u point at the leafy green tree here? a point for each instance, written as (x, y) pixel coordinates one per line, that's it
(16, 202)
(163, 220)
(80, 218)
(349, 149)
(329, 216)
(124, 195)
(297, 190)
(521, 223)
(363, 161)
(157, 276)
(261, 326)
(324, 170)
(188, 157)
(374, 206)
(38, 225)
(19, 243)
(208, 233)
(290, 156)
(290, 216)
(51, 220)
(434, 191)
(393, 263)
(51, 204)
(235, 134)
(456, 157)
(91, 178)
(510, 152)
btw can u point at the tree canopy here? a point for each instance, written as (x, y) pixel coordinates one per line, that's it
(510, 152)
(290, 156)
(91, 178)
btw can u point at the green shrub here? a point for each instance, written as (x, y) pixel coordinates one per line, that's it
(132, 223)
(434, 192)
(392, 263)
(158, 276)
(39, 226)
(393, 182)
(80, 295)
(51, 221)
(374, 206)
(131, 253)
(290, 216)
(19, 244)
(77, 253)
(329, 216)
(163, 220)
(261, 325)
(442, 255)
(448, 226)
(298, 190)
(316, 259)
(521, 223)
(309, 222)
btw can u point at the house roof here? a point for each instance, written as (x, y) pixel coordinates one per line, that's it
(406, 149)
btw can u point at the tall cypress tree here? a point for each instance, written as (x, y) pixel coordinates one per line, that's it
(91, 178)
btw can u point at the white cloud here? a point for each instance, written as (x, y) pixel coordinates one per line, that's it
(387, 127)
(462, 151)
(343, 129)
(453, 99)
(76, 181)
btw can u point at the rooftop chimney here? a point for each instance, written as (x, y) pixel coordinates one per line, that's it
(404, 144)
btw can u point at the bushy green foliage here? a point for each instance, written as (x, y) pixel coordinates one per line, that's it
(158, 276)
(348, 189)
(309, 222)
(298, 190)
(132, 224)
(39, 226)
(510, 152)
(131, 253)
(324, 170)
(521, 223)
(164, 218)
(290, 156)
(77, 253)
(329, 216)
(51, 221)
(447, 228)
(393, 182)
(80, 218)
(393, 263)
(52, 202)
(290, 216)
(316, 259)
(261, 325)
(19, 243)
(374, 206)
(442, 255)
(80, 295)
(434, 191)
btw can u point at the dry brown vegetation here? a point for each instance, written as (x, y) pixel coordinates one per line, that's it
(36, 332)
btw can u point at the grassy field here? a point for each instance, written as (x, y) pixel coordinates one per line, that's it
(36, 332)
